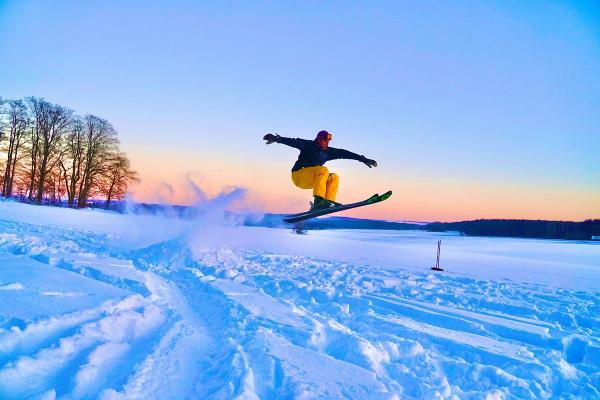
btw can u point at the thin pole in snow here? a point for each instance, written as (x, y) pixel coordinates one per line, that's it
(437, 263)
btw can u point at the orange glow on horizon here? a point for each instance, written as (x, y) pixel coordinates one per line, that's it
(409, 203)
(269, 189)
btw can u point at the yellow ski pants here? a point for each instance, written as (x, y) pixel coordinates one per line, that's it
(318, 179)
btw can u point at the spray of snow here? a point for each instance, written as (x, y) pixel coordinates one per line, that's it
(206, 227)
(212, 231)
(200, 206)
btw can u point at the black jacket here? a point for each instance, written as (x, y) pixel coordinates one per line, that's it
(311, 155)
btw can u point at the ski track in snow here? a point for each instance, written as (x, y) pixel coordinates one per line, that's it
(221, 323)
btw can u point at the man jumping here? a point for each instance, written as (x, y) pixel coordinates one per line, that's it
(309, 173)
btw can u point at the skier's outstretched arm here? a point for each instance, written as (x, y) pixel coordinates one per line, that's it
(336, 154)
(296, 143)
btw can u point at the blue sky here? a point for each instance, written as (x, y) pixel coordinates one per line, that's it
(490, 99)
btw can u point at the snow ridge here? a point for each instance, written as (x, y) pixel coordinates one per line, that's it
(200, 315)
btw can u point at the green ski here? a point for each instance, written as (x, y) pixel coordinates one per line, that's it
(317, 213)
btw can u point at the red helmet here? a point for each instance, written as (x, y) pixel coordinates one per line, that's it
(323, 135)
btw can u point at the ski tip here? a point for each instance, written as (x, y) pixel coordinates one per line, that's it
(386, 195)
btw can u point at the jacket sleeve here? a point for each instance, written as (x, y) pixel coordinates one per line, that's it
(336, 154)
(296, 143)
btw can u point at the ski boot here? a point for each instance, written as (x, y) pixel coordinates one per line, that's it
(320, 203)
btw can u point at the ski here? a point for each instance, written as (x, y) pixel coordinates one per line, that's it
(317, 213)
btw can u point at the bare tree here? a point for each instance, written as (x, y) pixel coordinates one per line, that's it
(18, 119)
(55, 188)
(3, 125)
(72, 164)
(51, 153)
(100, 140)
(33, 152)
(51, 121)
(2, 122)
(118, 176)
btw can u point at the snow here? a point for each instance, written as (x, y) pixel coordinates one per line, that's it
(102, 305)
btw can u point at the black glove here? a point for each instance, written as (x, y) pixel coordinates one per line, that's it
(270, 138)
(368, 162)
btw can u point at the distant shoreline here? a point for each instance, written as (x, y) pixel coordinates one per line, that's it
(519, 228)
(588, 230)
(534, 229)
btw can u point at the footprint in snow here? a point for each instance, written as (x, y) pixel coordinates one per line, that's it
(63, 294)
(12, 286)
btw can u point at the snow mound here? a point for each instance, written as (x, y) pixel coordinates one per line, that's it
(99, 305)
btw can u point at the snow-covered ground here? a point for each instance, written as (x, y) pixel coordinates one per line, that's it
(102, 305)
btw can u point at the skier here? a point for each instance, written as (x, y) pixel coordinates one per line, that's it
(309, 173)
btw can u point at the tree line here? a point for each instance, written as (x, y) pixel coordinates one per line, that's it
(538, 229)
(52, 155)
(522, 228)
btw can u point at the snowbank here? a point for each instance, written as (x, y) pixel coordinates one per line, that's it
(100, 305)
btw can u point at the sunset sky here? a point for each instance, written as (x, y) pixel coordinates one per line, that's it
(473, 109)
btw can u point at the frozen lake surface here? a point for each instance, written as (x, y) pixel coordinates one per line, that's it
(101, 305)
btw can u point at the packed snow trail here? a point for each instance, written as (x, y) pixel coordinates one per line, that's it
(101, 305)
